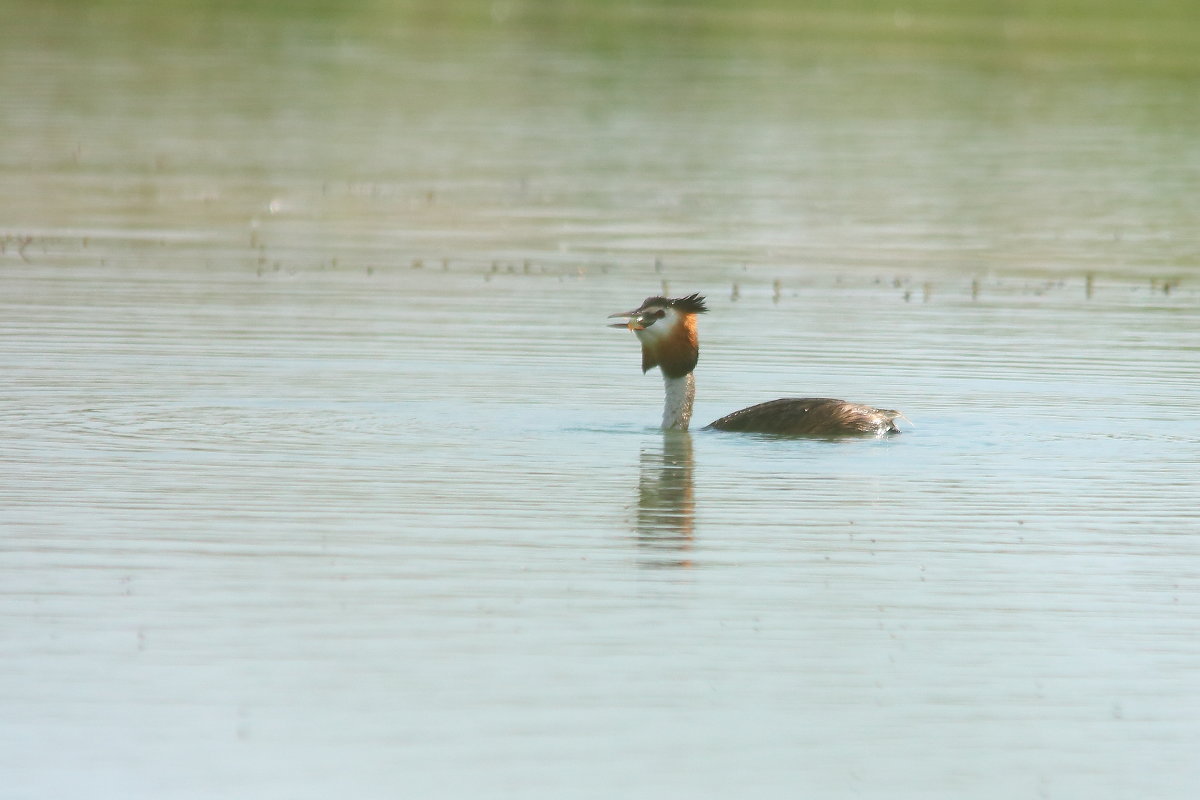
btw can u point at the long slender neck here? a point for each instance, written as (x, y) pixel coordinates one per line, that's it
(677, 410)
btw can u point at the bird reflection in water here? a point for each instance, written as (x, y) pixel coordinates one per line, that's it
(666, 509)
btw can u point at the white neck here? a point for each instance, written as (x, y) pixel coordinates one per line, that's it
(677, 411)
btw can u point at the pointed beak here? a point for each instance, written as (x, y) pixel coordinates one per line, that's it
(633, 322)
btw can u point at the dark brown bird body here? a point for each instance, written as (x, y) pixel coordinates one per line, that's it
(810, 416)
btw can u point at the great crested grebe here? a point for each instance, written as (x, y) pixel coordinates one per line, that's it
(667, 330)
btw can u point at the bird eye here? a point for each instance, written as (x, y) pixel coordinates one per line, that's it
(660, 313)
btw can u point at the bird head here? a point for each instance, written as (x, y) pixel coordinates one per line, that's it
(666, 329)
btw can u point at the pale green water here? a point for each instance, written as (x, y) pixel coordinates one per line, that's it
(321, 475)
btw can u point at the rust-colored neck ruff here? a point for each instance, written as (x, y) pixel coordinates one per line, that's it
(675, 351)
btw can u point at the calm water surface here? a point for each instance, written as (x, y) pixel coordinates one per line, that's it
(321, 475)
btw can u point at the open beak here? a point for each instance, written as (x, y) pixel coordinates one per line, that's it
(633, 322)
